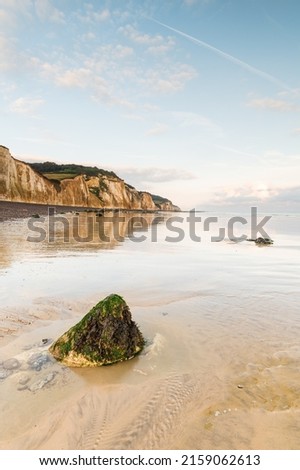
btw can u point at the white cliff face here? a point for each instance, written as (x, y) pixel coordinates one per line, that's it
(20, 183)
(3, 172)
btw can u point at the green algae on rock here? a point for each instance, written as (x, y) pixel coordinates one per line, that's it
(104, 336)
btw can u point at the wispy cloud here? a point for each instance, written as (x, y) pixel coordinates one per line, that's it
(273, 105)
(195, 120)
(237, 151)
(12, 10)
(138, 176)
(26, 106)
(270, 198)
(158, 129)
(194, 2)
(8, 53)
(226, 56)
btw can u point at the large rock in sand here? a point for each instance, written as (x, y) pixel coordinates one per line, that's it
(105, 335)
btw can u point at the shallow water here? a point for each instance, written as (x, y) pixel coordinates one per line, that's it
(221, 369)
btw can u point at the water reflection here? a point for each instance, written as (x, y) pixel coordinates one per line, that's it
(79, 232)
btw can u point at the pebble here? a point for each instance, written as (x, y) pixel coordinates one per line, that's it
(24, 380)
(41, 383)
(217, 413)
(37, 361)
(44, 341)
(4, 373)
(11, 364)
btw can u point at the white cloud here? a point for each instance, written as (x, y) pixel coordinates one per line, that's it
(273, 104)
(155, 44)
(89, 36)
(88, 77)
(296, 131)
(25, 106)
(101, 15)
(74, 78)
(48, 12)
(92, 16)
(141, 38)
(168, 79)
(112, 74)
(161, 48)
(122, 52)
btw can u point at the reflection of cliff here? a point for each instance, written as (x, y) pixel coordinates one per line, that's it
(90, 232)
(85, 232)
(19, 182)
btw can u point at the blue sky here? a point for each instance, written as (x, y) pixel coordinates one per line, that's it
(196, 100)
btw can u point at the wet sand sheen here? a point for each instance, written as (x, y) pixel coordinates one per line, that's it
(172, 396)
(220, 371)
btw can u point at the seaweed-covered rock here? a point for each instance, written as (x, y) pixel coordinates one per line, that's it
(105, 335)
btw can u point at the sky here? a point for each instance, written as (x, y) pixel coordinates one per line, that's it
(194, 100)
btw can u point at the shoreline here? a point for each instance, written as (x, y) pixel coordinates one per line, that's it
(10, 210)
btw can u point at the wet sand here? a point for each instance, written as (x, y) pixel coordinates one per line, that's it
(17, 210)
(221, 367)
(20, 210)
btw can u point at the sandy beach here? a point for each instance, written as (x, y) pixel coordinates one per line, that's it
(221, 365)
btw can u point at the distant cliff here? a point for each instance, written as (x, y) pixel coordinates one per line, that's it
(21, 183)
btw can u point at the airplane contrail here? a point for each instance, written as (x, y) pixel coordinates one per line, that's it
(227, 56)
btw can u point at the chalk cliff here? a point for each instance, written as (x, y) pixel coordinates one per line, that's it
(21, 183)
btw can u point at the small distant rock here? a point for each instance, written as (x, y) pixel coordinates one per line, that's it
(104, 336)
(261, 241)
(11, 364)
